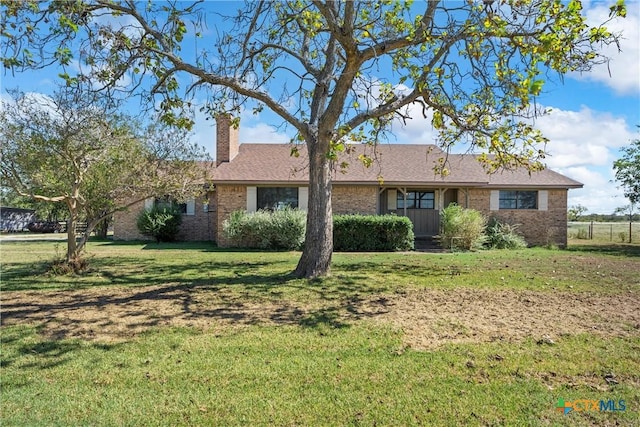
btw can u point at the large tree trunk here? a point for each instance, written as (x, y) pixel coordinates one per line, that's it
(318, 246)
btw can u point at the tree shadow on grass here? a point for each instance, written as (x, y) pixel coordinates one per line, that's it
(203, 246)
(198, 294)
(18, 344)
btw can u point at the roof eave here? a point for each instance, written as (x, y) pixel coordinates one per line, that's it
(536, 186)
(402, 184)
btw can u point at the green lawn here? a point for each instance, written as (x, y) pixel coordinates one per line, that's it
(322, 367)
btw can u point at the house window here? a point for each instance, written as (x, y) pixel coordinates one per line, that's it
(170, 203)
(518, 199)
(416, 200)
(187, 208)
(273, 198)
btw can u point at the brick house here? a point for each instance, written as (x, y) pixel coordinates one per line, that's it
(401, 181)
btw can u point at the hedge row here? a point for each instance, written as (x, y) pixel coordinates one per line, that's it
(372, 233)
(284, 229)
(280, 229)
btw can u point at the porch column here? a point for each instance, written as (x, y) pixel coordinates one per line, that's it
(441, 192)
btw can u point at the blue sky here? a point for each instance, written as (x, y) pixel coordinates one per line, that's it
(592, 115)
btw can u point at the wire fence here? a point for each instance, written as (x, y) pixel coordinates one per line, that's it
(621, 232)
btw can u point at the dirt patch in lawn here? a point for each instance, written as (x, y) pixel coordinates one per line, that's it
(428, 318)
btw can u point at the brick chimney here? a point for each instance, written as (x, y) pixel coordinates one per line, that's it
(227, 139)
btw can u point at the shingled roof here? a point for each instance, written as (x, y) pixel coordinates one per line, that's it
(395, 164)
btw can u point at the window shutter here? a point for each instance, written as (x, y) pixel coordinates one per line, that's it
(148, 203)
(252, 199)
(494, 202)
(543, 200)
(303, 198)
(392, 199)
(191, 207)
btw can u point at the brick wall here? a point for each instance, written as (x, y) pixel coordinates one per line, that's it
(198, 227)
(229, 198)
(227, 139)
(477, 199)
(124, 223)
(537, 227)
(360, 199)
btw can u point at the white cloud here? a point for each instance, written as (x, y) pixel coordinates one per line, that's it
(622, 73)
(255, 128)
(600, 194)
(417, 130)
(582, 137)
(262, 134)
(125, 23)
(583, 145)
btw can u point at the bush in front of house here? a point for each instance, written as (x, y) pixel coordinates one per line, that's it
(372, 233)
(279, 229)
(500, 235)
(461, 228)
(163, 224)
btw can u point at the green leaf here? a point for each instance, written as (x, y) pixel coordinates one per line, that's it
(535, 87)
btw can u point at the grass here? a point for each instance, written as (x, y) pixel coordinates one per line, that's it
(611, 232)
(293, 376)
(318, 371)
(25, 265)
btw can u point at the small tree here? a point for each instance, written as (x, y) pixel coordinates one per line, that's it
(575, 212)
(627, 210)
(627, 172)
(72, 150)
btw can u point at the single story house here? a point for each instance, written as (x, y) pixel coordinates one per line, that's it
(401, 181)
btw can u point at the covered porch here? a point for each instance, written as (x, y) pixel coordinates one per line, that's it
(421, 205)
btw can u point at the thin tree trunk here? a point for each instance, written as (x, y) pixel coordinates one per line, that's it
(73, 252)
(101, 228)
(72, 248)
(318, 246)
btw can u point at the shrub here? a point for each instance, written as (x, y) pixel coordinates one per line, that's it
(280, 229)
(372, 233)
(461, 228)
(500, 235)
(582, 234)
(163, 224)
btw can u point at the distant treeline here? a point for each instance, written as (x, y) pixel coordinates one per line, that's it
(607, 218)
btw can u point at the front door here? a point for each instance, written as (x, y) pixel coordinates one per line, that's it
(419, 205)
